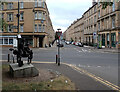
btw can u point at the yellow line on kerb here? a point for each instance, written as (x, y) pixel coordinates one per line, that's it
(114, 87)
(105, 82)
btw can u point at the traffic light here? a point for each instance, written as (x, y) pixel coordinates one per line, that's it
(57, 35)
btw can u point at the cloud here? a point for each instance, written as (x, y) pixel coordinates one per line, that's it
(64, 12)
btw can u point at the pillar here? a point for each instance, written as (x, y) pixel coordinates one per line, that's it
(110, 39)
(106, 40)
(45, 41)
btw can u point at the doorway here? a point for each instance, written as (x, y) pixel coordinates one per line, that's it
(41, 41)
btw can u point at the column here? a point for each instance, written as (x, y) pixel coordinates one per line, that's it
(37, 41)
(45, 41)
(110, 39)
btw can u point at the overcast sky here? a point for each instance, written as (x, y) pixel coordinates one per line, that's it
(64, 12)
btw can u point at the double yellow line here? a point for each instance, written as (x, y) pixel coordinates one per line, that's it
(105, 82)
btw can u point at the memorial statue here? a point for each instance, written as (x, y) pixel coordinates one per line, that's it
(23, 50)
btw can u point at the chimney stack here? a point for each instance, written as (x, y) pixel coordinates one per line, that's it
(93, 2)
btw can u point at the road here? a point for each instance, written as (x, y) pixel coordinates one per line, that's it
(104, 65)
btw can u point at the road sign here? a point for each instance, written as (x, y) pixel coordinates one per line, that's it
(14, 27)
(94, 35)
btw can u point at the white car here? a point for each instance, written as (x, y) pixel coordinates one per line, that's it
(77, 43)
(67, 43)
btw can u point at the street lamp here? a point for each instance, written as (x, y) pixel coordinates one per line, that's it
(20, 63)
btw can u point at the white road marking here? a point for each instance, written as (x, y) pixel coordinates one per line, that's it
(3, 54)
(82, 71)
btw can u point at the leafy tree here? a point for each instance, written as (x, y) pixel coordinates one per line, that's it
(105, 4)
(2, 21)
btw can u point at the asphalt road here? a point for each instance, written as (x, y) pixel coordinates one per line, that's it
(104, 65)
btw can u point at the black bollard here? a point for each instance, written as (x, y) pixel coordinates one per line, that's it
(8, 57)
(56, 59)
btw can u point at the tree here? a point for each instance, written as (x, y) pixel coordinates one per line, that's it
(3, 23)
(105, 4)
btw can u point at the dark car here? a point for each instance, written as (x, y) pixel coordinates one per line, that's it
(60, 45)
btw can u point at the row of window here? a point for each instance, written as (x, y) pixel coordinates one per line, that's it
(10, 5)
(105, 22)
(6, 41)
(91, 11)
(39, 3)
(11, 15)
(102, 25)
(10, 28)
(40, 15)
(90, 21)
(39, 28)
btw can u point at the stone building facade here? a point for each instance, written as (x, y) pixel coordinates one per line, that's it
(35, 23)
(101, 26)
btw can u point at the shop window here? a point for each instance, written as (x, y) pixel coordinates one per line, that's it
(5, 40)
(10, 41)
(1, 41)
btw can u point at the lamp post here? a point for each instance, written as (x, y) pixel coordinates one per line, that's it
(20, 63)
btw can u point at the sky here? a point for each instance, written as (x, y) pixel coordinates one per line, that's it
(65, 12)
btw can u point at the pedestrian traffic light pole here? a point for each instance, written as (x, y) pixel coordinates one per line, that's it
(58, 58)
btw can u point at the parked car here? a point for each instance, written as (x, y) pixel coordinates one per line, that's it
(67, 42)
(76, 43)
(72, 43)
(60, 45)
(80, 44)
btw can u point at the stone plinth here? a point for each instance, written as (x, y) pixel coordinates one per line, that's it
(27, 70)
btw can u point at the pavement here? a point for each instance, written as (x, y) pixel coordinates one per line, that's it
(89, 61)
(111, 50)
(82, 81)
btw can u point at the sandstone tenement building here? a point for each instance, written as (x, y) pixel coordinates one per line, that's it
(35, 23)
(101, 27)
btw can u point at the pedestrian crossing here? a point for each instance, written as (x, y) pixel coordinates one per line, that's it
(83, 50)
